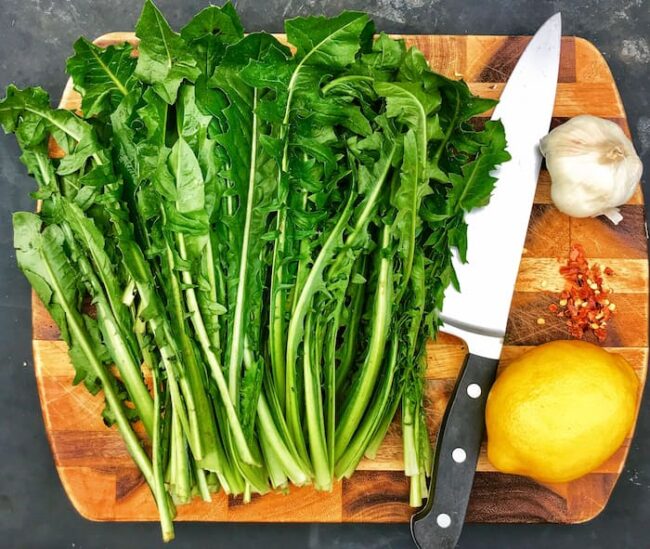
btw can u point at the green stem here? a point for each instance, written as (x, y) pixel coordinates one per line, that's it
(201, 482)
(415, 491)
(166, 523)
(345, 79)
(211, 358)
(352, 455)
(329, 382)
(168, 355)
(285, 455)
(276, 472)
(361, 391)
(120, 350)
(284, 436)
(237, 326)
(277, 322)
(130, 438)
(314, 408)
(182, 486)
(409, 437)
(384, 424)
(297, 328)
(192, 402)
(202, 422)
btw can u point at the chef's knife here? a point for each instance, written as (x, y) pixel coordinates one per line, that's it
(479, 312)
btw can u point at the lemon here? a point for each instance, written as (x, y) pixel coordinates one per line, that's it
(560, 410)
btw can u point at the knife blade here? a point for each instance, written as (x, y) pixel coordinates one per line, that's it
(478, 314)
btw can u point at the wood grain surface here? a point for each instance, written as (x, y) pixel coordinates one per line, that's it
(103, 483)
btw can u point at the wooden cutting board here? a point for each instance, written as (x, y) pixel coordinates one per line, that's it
(103, 484)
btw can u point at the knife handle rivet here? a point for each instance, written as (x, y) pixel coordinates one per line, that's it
(474, 390)
(443, 520)
(458, 455)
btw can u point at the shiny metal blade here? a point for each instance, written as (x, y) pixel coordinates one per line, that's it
(496, 232)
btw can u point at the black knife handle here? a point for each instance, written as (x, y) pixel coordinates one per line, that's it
(439, 523)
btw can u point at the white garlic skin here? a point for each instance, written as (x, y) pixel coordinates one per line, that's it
(593, 167)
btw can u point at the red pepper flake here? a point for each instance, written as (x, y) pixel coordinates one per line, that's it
(585, 303)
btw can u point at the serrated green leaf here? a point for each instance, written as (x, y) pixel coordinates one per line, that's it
(28, 114)
(330, 42)
(101, 75)
(163, 59)
(209, 32)
(472, 189)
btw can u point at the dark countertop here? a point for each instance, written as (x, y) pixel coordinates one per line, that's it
(37, 36)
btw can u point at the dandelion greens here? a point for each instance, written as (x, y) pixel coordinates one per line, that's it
(245, 243)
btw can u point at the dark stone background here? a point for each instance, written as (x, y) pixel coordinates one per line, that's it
(36, 37)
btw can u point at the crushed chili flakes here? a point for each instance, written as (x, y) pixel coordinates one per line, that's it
(585, 303)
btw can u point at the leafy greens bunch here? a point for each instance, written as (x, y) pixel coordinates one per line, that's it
(263, 231)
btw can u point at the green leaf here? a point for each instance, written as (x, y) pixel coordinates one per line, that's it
(163, 59)
(16, 108)
(411, 105)
(209, 32)
(41, 168)
(101, 75)
(407, 200)
(408, 102)
(387, 55)
(472, 189)
(251, 387)
(28, 114)
(193, 122)
(458, 239)
(252, 177)
(330, 42)
(41, 257)
(98, 176)
(185, 168)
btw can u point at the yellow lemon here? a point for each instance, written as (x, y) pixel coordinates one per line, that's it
(560, 410)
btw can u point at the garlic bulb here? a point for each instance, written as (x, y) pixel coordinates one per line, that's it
(593, 165)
